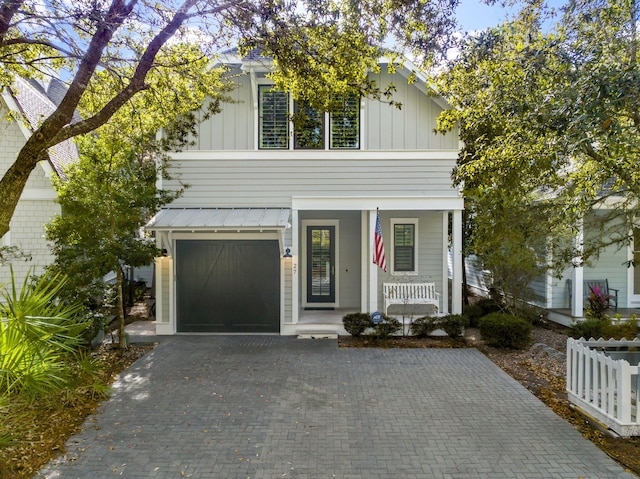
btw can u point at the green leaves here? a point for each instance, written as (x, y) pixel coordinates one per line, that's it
(549, 122)
(37, 332)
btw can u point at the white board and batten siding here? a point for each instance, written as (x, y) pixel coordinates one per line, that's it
(384, 127)
(408, 128)
(232, 129)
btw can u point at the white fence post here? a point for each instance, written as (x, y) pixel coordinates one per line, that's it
(602, 386)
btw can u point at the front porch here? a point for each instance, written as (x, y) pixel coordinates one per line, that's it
(319, 323)
(328, 323)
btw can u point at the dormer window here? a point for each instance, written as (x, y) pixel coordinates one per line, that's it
(308, 125)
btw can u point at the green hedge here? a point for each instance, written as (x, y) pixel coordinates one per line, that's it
(604, 328)
(357, 323)
(504, 330)
(424, 326)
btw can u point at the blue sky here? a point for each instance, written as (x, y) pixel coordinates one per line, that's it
(476, 15)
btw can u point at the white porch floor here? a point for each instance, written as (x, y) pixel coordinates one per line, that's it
(322, 321)
(563, 315)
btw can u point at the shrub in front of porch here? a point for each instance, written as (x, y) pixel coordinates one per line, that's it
(504, 330)
(361, 324)
(453, 324)
(387, 327)
(605, 328)
(357, 323)
(424, 326)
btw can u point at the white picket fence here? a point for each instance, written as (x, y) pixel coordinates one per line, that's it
(603, 385)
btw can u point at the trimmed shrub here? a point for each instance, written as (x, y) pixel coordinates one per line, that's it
(604, 328)
(489, 305)
(473, 312)
(589, 328)
(357, 323)
(386, 328)
(424, 326)
(623, 329)
(452, 324)
(504, 330)
(533, 314)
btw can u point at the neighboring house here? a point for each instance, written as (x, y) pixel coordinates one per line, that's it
(566, 297)
(28, 102)
(276, 229)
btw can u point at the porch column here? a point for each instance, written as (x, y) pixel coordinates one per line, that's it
(373, 268)
(577, 285)
(445, 263)
(295, 264)
(456, 276)
(364, 264)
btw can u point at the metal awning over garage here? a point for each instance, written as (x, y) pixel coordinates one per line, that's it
(214, 219)
(219, 220)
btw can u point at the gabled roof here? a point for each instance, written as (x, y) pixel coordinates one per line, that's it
(254, 60)
(34, 103)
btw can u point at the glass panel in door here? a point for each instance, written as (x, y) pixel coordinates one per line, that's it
(321, 264)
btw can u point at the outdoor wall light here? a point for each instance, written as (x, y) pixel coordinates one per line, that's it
(287, 253)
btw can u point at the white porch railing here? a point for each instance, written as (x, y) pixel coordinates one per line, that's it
(602, 382)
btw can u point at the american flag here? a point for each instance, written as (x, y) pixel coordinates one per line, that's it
(378, 253)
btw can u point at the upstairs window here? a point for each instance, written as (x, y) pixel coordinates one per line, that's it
(274, 118)
(308, 127)
(404, 245)
(344, 124)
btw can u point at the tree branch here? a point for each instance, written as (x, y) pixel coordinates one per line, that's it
(33, 41)
(7, 10)
(136, 84)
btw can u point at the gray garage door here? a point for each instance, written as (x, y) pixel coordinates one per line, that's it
(228, 286)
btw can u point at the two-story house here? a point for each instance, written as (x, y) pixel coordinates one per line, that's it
(275, 232)
(29, 102)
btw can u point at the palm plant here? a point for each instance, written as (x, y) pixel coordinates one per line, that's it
(37, 333)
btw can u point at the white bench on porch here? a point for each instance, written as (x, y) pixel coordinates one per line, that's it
(410, 293)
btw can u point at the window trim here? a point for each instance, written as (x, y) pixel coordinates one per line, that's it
(404, 221)
(269, 86)
(329, 129)
(259, 83)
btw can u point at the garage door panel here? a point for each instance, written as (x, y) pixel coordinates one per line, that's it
(228, 286)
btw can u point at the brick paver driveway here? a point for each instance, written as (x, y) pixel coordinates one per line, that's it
(228, 407)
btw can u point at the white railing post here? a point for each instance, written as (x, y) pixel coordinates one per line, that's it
(624, 392)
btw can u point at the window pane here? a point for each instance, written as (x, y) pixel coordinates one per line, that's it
(274, 118)
(345, 123)
(403, 244)
(308, 126)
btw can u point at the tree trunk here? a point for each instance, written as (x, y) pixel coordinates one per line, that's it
(122, 340)
(12, 184)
